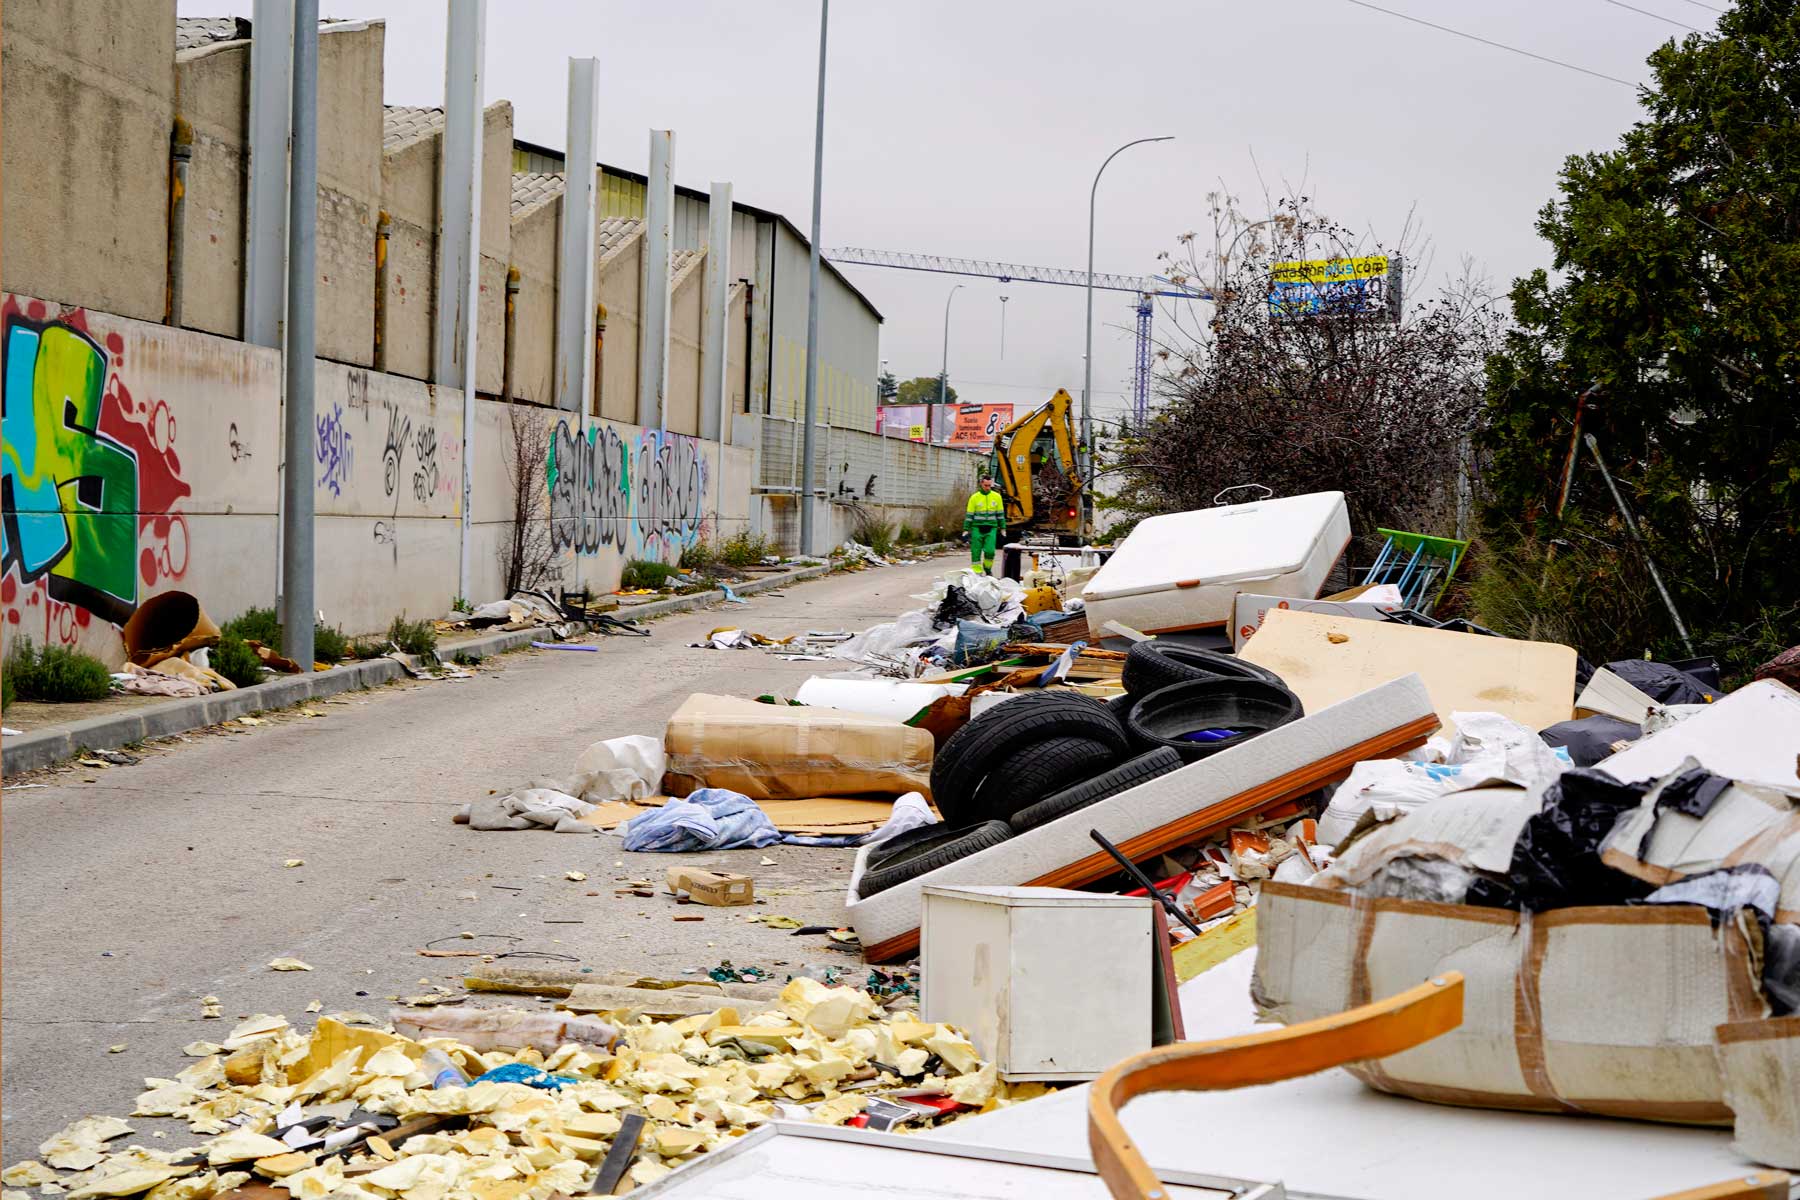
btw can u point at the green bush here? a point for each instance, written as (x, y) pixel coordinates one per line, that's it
(944, 520)
(413, 637)
(699, 555)
(236, 661)
(874, 532)
(256, 625)
(747, 549)
(369, 647)
(641, 573)
(329, 643)
(55, 673)
(907, 535)
(6, 689)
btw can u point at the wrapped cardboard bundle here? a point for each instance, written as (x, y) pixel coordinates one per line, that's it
(784, 752)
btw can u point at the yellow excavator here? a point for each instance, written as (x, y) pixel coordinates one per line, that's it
(1036, 470)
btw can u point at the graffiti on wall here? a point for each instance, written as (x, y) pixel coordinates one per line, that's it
(88, 482)
(645, 498)
(335, 449)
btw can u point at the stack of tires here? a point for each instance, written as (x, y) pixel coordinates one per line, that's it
(1043, 755)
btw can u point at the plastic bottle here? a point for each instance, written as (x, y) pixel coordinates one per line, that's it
(444, 1073)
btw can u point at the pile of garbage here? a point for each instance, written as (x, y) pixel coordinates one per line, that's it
(519, 1105)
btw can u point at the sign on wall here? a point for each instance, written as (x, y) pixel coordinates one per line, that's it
(975, 425)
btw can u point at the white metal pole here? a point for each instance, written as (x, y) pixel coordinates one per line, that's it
(297, 408)
(659, 222)
(266, 235)
(811, 407)
(943, 375)
(1087, 365)
(575, 382)
(459, 239)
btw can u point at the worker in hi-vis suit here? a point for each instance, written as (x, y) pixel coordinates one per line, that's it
(983, 521)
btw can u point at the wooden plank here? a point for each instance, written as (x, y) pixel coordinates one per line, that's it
(658, 1002)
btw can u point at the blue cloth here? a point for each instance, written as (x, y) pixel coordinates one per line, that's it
(709, 819)
(530, 1076)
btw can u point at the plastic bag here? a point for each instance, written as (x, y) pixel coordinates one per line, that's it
(1556, 861)
(1591, 739)
(974, 639)
(709, 819)
(622, 768)
(1661, 682)
(889, 639)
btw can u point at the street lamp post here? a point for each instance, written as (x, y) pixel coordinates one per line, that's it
(943, 375)
(1087, 371)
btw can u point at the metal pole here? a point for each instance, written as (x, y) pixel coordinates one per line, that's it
(943, 375)
(713, 417)
(812, 302)
(266, 200)
(653, 324)
(459, 241)
(576, 379)
(1003, 301)
(1636, 536)
(1087, 364)
(297, 410)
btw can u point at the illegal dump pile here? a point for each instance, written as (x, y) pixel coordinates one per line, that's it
(525, 1106)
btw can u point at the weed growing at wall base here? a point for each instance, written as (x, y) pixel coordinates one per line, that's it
(413, 637)
(56, 673)
(236, 661)
(641, 574)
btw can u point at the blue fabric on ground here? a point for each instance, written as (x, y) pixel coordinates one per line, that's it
(709, 819)
(530, 1076)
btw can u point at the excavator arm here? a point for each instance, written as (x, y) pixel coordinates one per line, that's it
(1013, 455)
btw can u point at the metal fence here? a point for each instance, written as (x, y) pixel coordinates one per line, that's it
(852, 464)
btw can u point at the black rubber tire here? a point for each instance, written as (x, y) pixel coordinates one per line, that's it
(1123, 777)
(1030, 773)
(928, 855)
(1154, 665)
(1121, 705)
(969, 754)
(1247, 704)
(913, 841)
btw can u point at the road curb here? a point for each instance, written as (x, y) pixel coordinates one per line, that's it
(44, 747)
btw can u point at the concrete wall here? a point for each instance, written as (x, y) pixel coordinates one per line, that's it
(211, 83)
(618, 283)
(163, 475)
(84, 150)
(534, 249)
(350, 80)
(496, 243)
(409, 186)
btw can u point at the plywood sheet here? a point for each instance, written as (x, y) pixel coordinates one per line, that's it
(1325, 659)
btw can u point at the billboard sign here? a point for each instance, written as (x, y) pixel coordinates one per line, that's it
(975, 425)
(901, 421)
(1370, 285)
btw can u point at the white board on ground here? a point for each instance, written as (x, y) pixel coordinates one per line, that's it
(1328, 1135)
(1753, 734)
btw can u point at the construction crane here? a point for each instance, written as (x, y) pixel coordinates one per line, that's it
(1145, 287)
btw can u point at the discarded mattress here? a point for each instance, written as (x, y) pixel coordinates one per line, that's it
(1323, 659)
(1607, 1011)
(780, 752)
(1162, 813)
(1184, 570)
(1753, 734)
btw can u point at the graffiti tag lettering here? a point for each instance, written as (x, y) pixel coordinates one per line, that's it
(335, 451)
(425, 475)
(398, 430)
(644, 500)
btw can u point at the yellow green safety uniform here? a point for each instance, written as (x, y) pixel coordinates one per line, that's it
(984, 520)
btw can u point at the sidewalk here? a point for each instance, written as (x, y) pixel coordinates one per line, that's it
(141, 718)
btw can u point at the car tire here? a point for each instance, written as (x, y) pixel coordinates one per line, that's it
(972, 752)
(925, 855)
(1032, 772)
(1248, 705)
(1151, 666)
(1123, 777)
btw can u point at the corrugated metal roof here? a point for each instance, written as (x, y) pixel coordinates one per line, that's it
(533, 188)
(403, 124)
(191, 33)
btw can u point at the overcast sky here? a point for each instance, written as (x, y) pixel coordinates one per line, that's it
(973, 129)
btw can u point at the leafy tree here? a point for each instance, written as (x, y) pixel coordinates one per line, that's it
(1341, 400)
(1674, 317)
(886, 387)
(924, 390)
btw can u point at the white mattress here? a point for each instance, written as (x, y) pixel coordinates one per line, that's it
(1372, 716)
(1184, 570)
(1327, 1135)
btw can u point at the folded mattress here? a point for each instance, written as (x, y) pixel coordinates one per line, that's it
(1163, 813)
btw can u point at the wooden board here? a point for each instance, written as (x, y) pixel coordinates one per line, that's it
(823, 815)
(1230, 936)
(1326, 659)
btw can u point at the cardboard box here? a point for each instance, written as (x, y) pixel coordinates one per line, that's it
(1606, 1011)
(780, 752)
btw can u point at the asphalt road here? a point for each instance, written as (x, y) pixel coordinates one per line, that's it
(129, 893)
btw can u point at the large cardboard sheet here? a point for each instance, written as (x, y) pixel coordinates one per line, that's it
(1325, 659)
